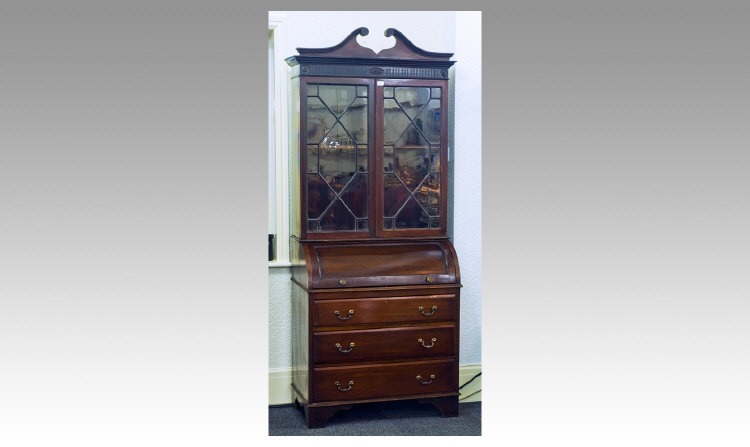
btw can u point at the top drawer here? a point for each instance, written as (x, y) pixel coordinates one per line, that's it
(384, 310)
(344, 265)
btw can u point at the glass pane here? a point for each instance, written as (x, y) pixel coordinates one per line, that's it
(362, 158)
(336, 97)
(412, 99)
(355, 196)
(388, 92)
(412, 164)
(337, 218)
(394, 195)
(411, 158)
(337, 158)
(435, 159)
(395, 121)
(354, 120)
(428, 195)
(319, 120)
(428, 121)
(412, 216)
(312, 159)
(319, 196)
(337, 127)
(387, 158)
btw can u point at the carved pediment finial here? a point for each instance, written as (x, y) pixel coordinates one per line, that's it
(349, 47)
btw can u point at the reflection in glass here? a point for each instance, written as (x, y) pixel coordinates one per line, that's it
(411, 158)
(336, 97)
(312, 158)
(319, 196)
(395, 195)
(337, 218)
(354, 120)
(319, 120)
(355, 196)
(362, 158)
(411, 164)
(435, 159)
(428, 121)
(412, 99)
(337, 196)
(337, 161)
(428, 194)
(412, 216)
(387, 158)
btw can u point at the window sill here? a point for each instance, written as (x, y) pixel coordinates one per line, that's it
(275, 264)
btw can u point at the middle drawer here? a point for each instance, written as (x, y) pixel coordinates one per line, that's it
(381, 344)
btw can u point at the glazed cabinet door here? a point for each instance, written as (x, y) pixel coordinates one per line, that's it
(336, 121)
(411, 142)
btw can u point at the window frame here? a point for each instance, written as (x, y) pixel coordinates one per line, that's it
(281, 134)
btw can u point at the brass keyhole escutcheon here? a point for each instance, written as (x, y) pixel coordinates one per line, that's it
(429, 278)
(342, 282)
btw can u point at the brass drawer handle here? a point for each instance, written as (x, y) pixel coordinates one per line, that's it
(342, 282)
(429, 278)
(432, 377)
(351, 346)
(338, 386)
(421, 309)
(338, 314)
(420, 341)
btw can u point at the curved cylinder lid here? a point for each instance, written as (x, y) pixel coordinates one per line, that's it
(382, 264)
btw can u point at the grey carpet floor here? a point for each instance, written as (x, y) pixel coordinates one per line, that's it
(400, 418)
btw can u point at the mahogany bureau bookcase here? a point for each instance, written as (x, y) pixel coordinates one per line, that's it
(375, 277)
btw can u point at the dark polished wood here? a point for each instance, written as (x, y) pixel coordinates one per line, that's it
(383, 380)
(383, 344)
(404, 60)
(375, 311)
(385, 310)
(447, 405)
(317, 417)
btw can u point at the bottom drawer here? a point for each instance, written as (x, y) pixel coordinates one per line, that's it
(384, 380)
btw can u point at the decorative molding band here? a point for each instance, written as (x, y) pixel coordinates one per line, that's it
(364, 71)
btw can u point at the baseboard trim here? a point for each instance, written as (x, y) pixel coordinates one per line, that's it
(280, 390)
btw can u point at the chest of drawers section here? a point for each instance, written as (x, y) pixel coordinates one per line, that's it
(377, 344)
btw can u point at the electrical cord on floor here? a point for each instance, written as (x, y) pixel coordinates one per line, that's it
(468, 382)
(466, 397)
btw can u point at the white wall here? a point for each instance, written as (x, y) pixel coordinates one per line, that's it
(459, 33)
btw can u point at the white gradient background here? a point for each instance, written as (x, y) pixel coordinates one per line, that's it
(619, 226)
(615, 248)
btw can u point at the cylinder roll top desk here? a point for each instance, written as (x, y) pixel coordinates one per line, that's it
(375, 293)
